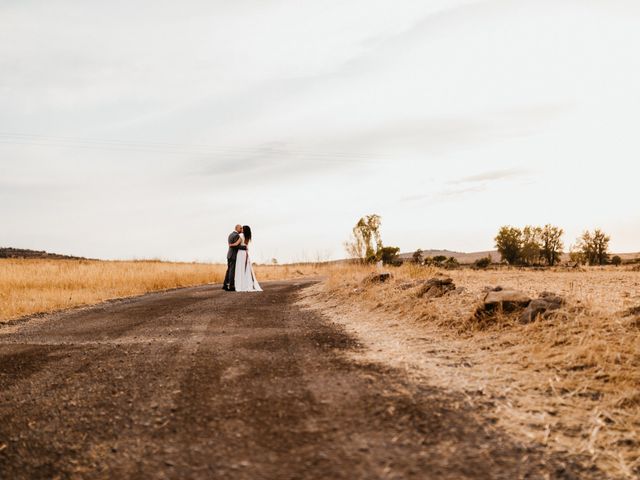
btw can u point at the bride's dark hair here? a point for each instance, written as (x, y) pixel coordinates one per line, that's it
(246, 229)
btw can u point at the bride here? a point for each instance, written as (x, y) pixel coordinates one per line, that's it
(245, 278)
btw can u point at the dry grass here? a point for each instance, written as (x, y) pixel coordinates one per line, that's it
(34, 286)
(571, 382)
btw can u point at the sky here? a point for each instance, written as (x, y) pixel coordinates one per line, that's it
(148, 129)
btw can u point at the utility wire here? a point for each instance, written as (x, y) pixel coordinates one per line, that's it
(27, 139)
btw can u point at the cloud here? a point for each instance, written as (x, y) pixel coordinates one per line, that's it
(492, 176)
(444, 195)
(470, 184)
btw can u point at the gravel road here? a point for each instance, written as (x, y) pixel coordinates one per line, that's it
(201, 383)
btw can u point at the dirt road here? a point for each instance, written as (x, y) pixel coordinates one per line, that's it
(200, 383)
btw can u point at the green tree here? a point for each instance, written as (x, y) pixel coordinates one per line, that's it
(365, 240)
(594, 247)
(616, 260)
(417, 257)
(509, 244)
(551, 240)
(531, 245)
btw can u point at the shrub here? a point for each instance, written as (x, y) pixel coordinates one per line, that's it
(616, 260)
(483, 262)
(451, 263)
(389, 255)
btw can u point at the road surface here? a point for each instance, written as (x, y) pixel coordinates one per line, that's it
(204, 384)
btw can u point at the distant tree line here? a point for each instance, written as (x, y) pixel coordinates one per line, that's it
(436, 261)
(533, 245)
(528, 246)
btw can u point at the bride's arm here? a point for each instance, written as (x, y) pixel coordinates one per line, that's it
(236, 243)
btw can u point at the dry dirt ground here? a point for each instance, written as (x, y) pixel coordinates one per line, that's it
(200, 383)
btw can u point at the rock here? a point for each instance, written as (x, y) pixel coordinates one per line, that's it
(502, 300)
(540, 306)
(436, 287)
(408, 285)
(377, 277)
(492, 289)
(457, 291)
(507, 300)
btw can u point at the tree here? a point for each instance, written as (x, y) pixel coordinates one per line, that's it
(509, 244)
(594, 247)
(531, 245)
(551, 239)
(274, 261)
(616, 260)
(417, 257)
(364, 234)
(439, 259)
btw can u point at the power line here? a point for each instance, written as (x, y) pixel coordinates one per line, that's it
(36, 140)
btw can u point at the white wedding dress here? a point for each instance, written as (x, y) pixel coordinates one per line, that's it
(245, 278)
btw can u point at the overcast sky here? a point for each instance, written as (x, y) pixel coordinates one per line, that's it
(150, 128)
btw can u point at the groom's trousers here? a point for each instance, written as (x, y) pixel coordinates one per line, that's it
(230, 276)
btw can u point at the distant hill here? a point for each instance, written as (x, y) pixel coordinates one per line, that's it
(26, 253)
(627, 256)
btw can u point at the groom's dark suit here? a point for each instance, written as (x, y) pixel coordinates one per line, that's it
(232, 254)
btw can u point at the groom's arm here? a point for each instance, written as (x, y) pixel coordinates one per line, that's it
(234, 239)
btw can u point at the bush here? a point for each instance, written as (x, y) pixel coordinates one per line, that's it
(616, 260)
(451, 263)
(483, 262)
(389, 255)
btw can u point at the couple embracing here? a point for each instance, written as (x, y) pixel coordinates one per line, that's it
(240, 276)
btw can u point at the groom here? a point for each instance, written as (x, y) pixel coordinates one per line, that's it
(232, 253)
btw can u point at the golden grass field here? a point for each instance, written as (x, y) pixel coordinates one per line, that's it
(571, 382)
(29, 286)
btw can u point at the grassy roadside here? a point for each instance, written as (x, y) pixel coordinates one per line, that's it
(29, 286)
(571, 382)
